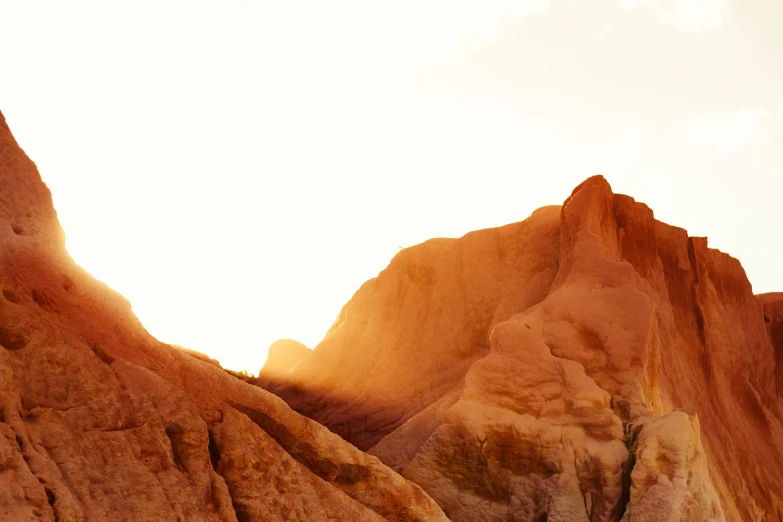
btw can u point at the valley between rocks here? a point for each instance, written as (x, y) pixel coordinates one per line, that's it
(587, 364)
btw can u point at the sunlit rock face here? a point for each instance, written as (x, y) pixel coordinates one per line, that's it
(282, 356)
(589, 363)
(409, 336)
(669, 478)
(99, 421)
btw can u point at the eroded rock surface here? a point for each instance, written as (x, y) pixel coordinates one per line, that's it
(670, 480)
(410, 335)
(99, 421)
(533, 372)
(773, 319)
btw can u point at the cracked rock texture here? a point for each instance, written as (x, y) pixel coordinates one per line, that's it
(99, 421)
(670, 480)
(773, 319)
(587, 364)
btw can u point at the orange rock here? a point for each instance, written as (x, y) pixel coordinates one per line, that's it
(283, 355)
(99, 421)
(670, 480)
(407, 337)
(507, 372)
(587, 364)
(198, 355)
(773, 319)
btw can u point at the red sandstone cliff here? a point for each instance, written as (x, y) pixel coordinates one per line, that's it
(99, 421)
(589, 363)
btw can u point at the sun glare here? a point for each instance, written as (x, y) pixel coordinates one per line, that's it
(699, 15)
(238, 169)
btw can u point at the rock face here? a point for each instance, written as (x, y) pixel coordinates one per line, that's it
(589, 363)
(283, 355)
(198, 355)
(670, 480)
(99, 421)
(773, 319)
(410, 335)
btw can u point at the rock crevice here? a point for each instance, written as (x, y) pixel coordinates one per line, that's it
(602, 322)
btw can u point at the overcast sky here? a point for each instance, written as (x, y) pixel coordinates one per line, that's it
(237, 169)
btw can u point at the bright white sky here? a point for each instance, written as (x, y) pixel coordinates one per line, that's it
(237, 169)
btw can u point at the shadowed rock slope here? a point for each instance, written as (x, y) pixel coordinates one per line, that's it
(587, 364)
(99, 421)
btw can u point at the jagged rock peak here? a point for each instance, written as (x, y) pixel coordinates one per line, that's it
(534, 371)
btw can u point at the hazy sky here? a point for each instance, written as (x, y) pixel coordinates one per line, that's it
(237, 169)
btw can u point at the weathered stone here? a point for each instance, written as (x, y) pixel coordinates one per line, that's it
(99, 421)
(507, 371)
(670, 481)
(773, 319)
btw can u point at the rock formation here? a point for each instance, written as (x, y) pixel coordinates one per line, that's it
(589, 363)
(198, 355)
(99, 421)
(773, 319)
(283, 355)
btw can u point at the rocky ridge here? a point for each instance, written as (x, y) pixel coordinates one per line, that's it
(99, 421)
(589, 363)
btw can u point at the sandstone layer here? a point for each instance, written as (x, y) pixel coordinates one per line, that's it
(589, 363)
(99, 421)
